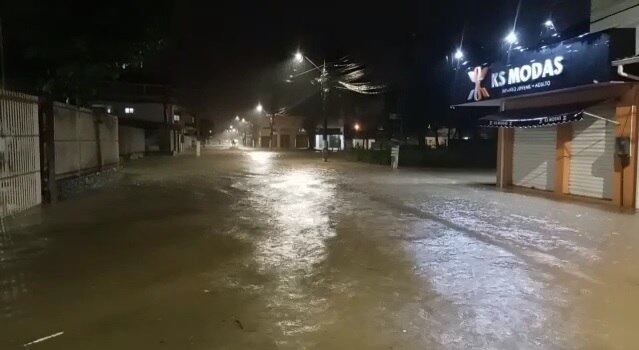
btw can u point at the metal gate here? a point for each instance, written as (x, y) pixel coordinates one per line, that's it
(534, 158)
(592, 159)
(19, 153)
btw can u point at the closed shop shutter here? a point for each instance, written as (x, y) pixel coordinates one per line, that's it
(301, 141)
(592, 158)
(285, 141)
(534, 158)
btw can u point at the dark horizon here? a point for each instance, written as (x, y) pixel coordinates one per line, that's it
(229, 55)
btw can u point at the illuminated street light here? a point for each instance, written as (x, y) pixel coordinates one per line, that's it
(549, 24)
(259, 108)
(243, 120)
(459, 54)
(356, 127)
(511, 38)
(299, 58)
(237, 118)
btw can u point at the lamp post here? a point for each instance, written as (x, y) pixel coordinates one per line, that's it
(259, 108)
(357, 128)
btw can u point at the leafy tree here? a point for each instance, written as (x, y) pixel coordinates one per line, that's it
(63, 48)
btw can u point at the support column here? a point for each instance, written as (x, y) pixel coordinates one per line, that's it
(562, 160)
(625, 181)
(505, 144)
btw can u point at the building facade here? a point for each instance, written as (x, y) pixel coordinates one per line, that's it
(566, 116)
(149, 118)
(288, 133)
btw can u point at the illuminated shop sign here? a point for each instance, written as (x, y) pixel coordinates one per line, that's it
(579, 61)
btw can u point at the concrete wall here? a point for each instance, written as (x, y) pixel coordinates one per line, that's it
(84, 142)
(131, 140)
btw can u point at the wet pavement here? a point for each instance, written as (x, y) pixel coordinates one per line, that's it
(259, 250)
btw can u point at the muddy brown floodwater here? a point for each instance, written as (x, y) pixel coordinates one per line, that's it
(259, 250)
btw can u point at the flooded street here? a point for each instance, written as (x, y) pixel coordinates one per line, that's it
(260, 250)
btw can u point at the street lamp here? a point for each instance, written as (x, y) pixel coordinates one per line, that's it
(459, 54)
(511, 38)
(259, 108)
(299, 58)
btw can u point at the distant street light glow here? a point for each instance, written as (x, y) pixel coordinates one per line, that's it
(511, 38)
(549, 24)
(459, 54)
(299, 58)
(259, 108)
(356, 126)
(237, 117)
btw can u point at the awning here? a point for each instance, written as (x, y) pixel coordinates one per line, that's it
(535, 117)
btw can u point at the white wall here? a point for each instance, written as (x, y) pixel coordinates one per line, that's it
(131, 140)
(79, 136)
(319, 142)
(615, 14)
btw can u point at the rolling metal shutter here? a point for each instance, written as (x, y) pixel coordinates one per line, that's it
(534, 157)
(592, 158)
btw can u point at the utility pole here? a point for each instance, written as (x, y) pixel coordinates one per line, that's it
(271, 116)
(323, 94)
(2, 55)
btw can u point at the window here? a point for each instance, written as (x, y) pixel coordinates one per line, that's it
(129, 110)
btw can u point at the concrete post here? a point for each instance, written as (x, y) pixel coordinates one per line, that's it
(47, 151)
(505, 143)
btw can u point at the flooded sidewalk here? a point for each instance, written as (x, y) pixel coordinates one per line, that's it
(261, 250)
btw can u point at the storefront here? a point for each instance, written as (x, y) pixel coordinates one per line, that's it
(566, 114)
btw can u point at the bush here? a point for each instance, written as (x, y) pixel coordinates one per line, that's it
(370, 156)
(470, 155)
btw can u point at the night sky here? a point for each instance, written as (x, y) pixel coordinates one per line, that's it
(228, 52)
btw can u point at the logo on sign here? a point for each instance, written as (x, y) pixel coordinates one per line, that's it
(477, 76)
(528, 72)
